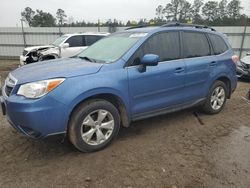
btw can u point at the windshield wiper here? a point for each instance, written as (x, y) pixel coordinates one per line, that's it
(91, 59)
(88, 59)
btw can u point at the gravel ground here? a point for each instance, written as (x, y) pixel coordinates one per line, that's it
(184, 149)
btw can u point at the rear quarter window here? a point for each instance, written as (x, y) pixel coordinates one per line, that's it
(195, 45)
(219, 45)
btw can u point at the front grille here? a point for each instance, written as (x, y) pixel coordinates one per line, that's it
(25, 53)
(8, 90)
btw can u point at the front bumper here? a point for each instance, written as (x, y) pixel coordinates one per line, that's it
(35, 118)
(242, 72)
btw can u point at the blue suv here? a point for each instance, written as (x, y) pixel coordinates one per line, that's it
(127, 76)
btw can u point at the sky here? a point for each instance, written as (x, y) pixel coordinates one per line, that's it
(87, 10)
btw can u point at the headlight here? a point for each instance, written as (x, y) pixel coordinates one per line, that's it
(38, 89)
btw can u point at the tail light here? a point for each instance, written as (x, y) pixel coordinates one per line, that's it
(235, 58)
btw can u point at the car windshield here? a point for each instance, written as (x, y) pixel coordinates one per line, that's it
(59, 40)
(111, 48)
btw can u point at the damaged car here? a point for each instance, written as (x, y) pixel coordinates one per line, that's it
(243, 67)
(67, 45)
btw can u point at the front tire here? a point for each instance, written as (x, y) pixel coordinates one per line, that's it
(216, 98)
(94, 125)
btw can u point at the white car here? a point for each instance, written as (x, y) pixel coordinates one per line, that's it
(67, 45)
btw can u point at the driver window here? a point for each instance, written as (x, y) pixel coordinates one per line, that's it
(165, 45)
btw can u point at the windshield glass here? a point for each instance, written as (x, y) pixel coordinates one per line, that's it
(111, 48)
(59, 40)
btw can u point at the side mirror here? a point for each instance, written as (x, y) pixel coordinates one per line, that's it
(64, 45)
(148, 60)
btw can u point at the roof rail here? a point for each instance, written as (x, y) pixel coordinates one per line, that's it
(178, 24)
(139, 26)
(174, 24)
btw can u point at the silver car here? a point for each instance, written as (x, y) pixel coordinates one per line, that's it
(243, 67)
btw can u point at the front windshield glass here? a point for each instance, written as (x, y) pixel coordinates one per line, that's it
(59, 40)
(111, 48)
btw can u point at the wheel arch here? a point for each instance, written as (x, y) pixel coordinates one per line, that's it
(227, 81)
(110, 97)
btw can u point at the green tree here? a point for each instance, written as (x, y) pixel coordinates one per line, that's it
(159, 12)
(128, 23)
(210, 11)
(177, 10)
(186, 12)
(28, 15)
(43, 19)
(222, 9)
(234, 9)
(196, 9)
(142, 22)
(60, 15)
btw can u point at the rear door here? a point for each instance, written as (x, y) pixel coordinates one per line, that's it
(160, 86)
(221, 53)
(197, 54)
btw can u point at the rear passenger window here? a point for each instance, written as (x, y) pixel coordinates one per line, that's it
(76, 41)
(165, 45)
(195, 45)
(92, 39)
(218, 43)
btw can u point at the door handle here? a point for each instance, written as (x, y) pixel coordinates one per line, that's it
(179, 70)
(212, 64)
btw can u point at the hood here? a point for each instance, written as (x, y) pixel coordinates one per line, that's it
(246, 59)
(38, 48)
(48, 51)
(59, 68)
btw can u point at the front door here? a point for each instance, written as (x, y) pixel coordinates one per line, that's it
(161, 86)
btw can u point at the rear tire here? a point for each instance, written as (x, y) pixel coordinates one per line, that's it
(94, 125)
(216, 98)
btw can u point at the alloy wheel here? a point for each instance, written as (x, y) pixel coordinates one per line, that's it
(97, 127)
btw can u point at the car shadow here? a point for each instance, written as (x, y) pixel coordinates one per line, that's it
(245, 80)
(59, 145)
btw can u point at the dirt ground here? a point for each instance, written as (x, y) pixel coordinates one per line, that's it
(185, 149)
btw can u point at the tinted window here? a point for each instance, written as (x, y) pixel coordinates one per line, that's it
(92, 39)
(195, 45)
(218, 43)
(76, 41)
(166, 45)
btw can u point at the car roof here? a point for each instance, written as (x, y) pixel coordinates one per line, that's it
(87, 33)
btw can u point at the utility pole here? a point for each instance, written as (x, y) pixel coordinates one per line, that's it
(243, 38)
(24, 39)
(98, 25)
